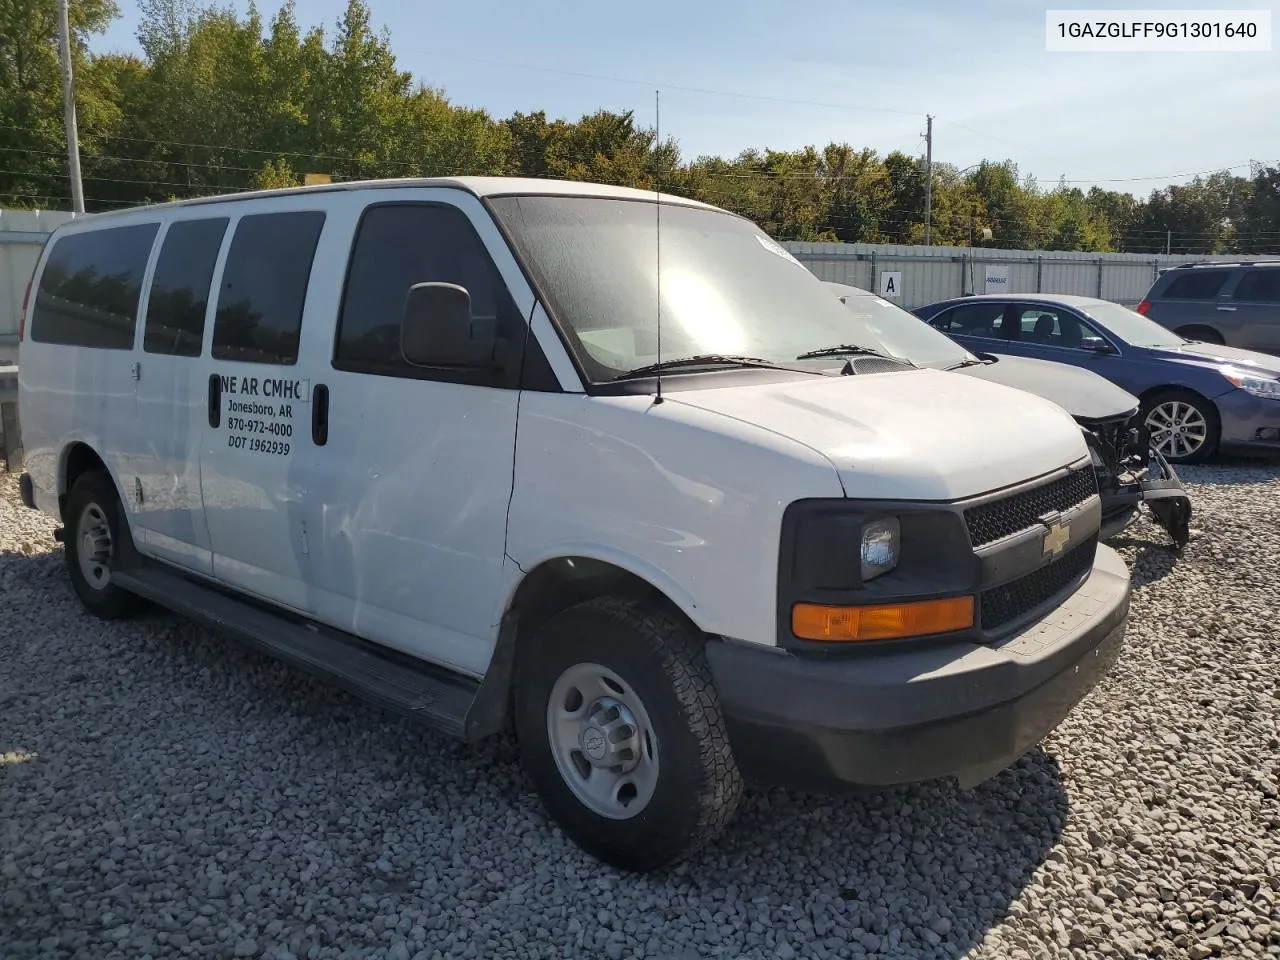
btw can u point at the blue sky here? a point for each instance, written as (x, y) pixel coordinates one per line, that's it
(870, 73)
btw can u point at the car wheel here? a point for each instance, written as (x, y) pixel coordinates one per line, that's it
(96, 533)
(1203, 334)
(621, 731)
(1184, 426)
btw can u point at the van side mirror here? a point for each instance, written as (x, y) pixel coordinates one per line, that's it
(437, 330)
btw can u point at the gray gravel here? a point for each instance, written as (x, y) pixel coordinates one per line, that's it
(164, 792)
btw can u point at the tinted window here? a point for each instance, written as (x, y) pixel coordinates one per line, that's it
(396, 247)
(264, 287)
(180, 287)
(1196, 285)
(1053, 328)
(972, 320)
(89, 290)
(1259, 284)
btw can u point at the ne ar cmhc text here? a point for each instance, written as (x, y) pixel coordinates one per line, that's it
(282, 389)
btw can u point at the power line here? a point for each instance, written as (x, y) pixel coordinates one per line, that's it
(583, 75)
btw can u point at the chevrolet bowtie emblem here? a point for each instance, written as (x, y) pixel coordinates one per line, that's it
(1056, 538)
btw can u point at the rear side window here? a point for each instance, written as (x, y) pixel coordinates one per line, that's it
(1196, 285)
(1259, 285)
(180, 287)
(264, 287)
(400, 245)
(90, 286)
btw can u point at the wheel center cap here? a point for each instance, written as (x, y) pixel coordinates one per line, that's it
(594, 743)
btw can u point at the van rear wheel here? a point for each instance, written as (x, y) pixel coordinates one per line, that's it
(96, 534)
(621, 732)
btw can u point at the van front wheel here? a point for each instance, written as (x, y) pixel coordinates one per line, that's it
(621, 732)
(96, 532)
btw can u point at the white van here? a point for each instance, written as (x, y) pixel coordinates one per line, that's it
(441, 442)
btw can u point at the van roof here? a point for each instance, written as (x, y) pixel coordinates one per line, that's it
(477, 186)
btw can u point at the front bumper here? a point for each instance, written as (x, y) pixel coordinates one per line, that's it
(1247, 422)
(1131, 472)
(920, 710)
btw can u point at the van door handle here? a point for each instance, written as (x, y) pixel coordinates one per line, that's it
(215, 400)
(320, 414)
(1227, 309)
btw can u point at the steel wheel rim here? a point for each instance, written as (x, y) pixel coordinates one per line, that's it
(1177, 429)
(93, 550)
(602, 740)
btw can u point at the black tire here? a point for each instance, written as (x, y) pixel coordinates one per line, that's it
(1206, 409)
(1203, 334)
(92, 494)
(660, 658)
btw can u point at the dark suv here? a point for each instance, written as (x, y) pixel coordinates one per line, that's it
(1237, 304)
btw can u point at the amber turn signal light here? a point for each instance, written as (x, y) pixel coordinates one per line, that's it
(814, 621)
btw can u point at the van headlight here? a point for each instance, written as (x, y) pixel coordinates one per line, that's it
(1268, 389)
(881, 546)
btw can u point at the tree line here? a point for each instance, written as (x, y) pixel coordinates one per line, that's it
(219, 102)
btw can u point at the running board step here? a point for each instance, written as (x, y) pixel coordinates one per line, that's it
(423, 693)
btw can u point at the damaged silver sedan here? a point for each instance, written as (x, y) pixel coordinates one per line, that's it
(1130, 471)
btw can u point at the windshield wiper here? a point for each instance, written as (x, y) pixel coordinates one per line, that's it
(975, 362)
(708, 360)
(849, 348)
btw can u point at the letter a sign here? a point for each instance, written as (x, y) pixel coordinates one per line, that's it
(890, 284)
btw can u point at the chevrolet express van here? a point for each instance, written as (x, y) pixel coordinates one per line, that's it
(583, 462)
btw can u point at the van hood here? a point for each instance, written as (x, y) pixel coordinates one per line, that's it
(914, 435)
(1082, 393)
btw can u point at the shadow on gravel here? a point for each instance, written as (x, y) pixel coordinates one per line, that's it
(943, 863)
(1151, 562)
(925, 870)
(1244, 471)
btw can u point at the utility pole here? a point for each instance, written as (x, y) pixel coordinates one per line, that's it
(1168, 241)
(928, 176)
(69, 107)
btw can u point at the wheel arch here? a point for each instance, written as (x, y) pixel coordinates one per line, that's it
(78, 458)
(551, 586)
(1187, 329)
(1150, 392)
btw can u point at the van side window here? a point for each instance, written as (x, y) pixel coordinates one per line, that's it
(396, 246)
(180, 287)
(264, 287)
(90, 287)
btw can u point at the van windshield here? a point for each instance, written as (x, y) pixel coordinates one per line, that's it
(727, 288)
(904, 334)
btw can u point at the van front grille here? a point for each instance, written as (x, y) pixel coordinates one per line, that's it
(1009, 601)
(989, 522)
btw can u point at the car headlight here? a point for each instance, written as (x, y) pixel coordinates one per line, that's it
(1268, 389)
(881, 546)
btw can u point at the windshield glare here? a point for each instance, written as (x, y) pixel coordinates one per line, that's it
(903, 334)
(726, 287)
(1132, 327)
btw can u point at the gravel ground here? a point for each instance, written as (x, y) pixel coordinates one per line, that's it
(164, 792)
